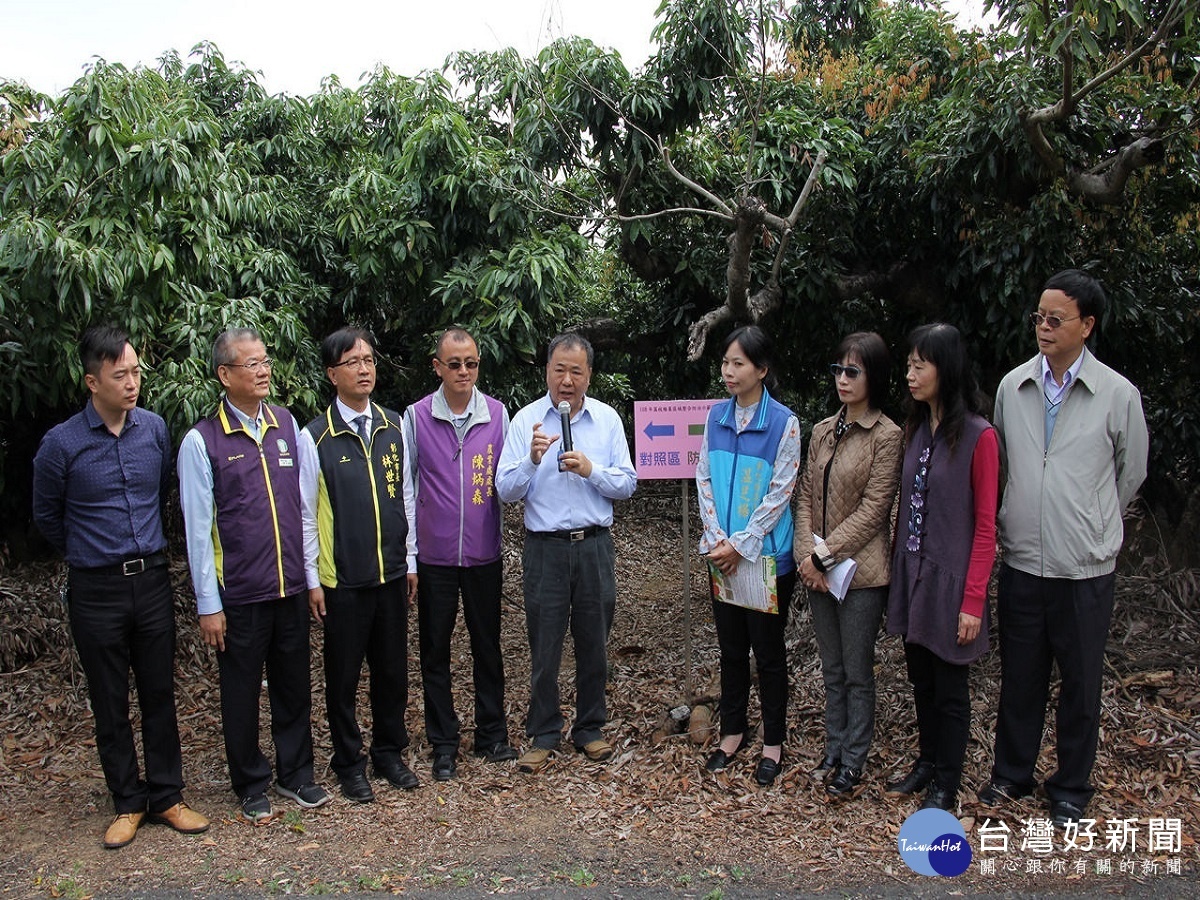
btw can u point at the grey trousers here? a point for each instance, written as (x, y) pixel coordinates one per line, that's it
(568, 584)
(846, 634)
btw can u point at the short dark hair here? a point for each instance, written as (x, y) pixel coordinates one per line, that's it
(454, 333)
(571, 340)
(101, 344)
(757, 346)
(222, 353)
(872, 352)
(943, 346)
(336, 345)
(1084, 289)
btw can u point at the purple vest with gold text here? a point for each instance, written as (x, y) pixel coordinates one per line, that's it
(257, 527)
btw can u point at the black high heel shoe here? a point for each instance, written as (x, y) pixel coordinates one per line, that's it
(719, 760)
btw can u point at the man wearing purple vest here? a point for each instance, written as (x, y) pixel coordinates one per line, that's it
(454, 437)
(239, 484)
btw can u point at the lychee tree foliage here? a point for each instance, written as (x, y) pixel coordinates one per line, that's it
(182, 199)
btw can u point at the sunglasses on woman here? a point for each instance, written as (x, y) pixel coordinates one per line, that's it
(850, 372)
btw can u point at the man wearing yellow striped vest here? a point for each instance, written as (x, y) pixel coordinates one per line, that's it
(362, 492)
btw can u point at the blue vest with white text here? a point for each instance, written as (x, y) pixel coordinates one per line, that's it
(741, 466)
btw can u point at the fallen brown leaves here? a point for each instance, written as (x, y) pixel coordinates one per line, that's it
(649, 817)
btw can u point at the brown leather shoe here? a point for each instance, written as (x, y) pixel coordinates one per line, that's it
(597, 751)
(534, 760)
(123, 830)
(182, 818)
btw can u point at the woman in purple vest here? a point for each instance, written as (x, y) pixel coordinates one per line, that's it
(845, 498)
(748, 464)
(944, 549)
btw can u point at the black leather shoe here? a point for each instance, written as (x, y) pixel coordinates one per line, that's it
(998, 792)
(497, 753)
(444, 766)
(1064, 811)
(938, 797)
(914, 782)
(398, 775)
(356, 787)
(767, 771)
(844, 781)
(719, 760)
(826, 767)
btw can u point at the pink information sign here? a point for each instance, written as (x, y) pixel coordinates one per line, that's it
(667, 437)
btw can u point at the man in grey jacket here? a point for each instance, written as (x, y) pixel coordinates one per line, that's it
(1073, 445)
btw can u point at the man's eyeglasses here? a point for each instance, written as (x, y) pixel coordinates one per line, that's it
(251, 365)
(368, 361)
(850, 372)
(456, 364)
(1037, 319)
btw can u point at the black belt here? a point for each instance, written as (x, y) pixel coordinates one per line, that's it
(128, 567)
(575, 534)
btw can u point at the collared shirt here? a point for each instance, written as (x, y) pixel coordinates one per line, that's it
(97, 497)
(1053, 393)
(1052, 389)
(196, 498)
(351, 416)
(561, 501)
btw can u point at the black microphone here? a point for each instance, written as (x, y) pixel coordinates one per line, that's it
(566, 444)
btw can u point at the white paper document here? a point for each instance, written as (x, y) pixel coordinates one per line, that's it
(839, 577)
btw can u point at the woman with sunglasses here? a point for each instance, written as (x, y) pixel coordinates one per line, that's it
(944, 549)
(751, 454)
(843, 510)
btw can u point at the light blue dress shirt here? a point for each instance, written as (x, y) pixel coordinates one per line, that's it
(563, 501)
(196, 498)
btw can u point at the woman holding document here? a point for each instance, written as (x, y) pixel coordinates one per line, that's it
(744, 478)
(842, 544)
(944, 550)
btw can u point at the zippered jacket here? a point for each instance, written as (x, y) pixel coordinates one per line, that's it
(1060, 516)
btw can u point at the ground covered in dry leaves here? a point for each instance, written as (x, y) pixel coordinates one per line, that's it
(649, 820)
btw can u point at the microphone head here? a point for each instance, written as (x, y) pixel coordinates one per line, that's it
(564, 408)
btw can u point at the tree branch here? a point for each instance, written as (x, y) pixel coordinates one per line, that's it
(698, 332)
(1108, 185)
(695, 188)
(681, 210)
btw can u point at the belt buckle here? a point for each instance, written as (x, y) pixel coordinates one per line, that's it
(577, 535)
(133, 567)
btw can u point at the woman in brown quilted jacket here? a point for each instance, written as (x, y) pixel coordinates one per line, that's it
(843, 512)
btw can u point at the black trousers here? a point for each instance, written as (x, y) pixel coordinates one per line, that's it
(738, 631)
(1044, 621)
(368, 624)
(438, 589)
(568, 585)
(942, 692)
(273, 634)
(123, 622)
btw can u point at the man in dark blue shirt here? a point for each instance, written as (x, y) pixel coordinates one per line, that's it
(99, 480)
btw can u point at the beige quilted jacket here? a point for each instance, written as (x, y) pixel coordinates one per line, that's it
(856, 510)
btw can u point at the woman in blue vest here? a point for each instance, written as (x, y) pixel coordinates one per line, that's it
(747, 469)
(944, 549)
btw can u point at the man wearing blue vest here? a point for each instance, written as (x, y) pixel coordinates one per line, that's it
(1073, 445)
(240, 472)
(568, 563)
(366, 564)
(454, 437)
